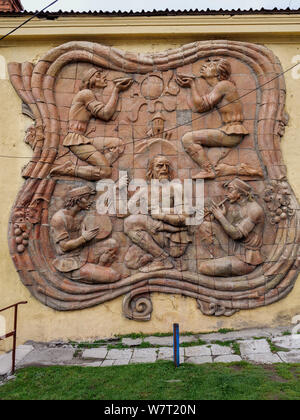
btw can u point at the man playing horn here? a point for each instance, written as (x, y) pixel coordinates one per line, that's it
(223, 96)
(99, 152)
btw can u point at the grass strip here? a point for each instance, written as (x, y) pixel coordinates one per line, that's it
(158, 381)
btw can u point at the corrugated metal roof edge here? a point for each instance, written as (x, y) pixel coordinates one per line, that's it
(168, 12)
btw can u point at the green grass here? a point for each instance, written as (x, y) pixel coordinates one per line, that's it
(225, 330)
(236, 348)
(132, 335)
(168, 334)
(235, 381)
(233, 344)
(223, 343)
(86, 345)
(194, 343)
(273, 347)
(142, 335)
(143, 345)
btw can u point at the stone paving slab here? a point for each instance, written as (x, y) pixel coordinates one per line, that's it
(144, 356)
(122, 362)
(228, 358)
(288, 342)
(289, 357)
(159, 341)
(93, 364)
(136, 360)
(244, 334)
(107, 363)
(217, 350)
(197, 351)
(254, 347)
(263, 358)
(252, 350)
(144, 353)
(115, 354)
(48, 357)
(6, 359)
(23, 351)
(96, 353)
(168, 341)
(188, 339)
(131, 341)
(76, 362)
(199, 360)
(119, 362)
(166, 353)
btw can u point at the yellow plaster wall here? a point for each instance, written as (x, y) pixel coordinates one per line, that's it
(40, 323)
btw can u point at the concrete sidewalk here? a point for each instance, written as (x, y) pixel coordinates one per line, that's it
(262, 346)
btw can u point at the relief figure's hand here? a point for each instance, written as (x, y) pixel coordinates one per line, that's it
(88, 235)
(184, 81)
(218, 212)
(157, 216)
(123, 84)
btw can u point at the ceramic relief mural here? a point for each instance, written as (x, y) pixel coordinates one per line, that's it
(210, 112)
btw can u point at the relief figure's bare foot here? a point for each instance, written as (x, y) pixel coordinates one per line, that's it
(204, 175)
(245, 169)
(242, 169)
(156, 265)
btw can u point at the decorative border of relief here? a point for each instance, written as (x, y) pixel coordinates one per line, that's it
(269, 283)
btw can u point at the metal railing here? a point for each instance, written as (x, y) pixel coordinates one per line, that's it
(14, 332)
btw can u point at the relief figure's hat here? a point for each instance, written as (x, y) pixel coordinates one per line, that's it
(78, 192)
(240, 185)
(90, 73)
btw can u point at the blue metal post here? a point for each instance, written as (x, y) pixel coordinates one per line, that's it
(176, 344)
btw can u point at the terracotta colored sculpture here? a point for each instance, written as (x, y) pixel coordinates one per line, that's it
(159, 234)
(234, 241)
(70, 239)
(224, 96)
(157, 135)
(92, 107)
(11, 6)
(35, 139)
(99, 153)
(158, 127)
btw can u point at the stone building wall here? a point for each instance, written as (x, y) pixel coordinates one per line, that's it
(40, 322)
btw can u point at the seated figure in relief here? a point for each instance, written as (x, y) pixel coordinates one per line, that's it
(160, 234)
(225, 98)
(230, 245)
(99, 152)
(71, 241)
